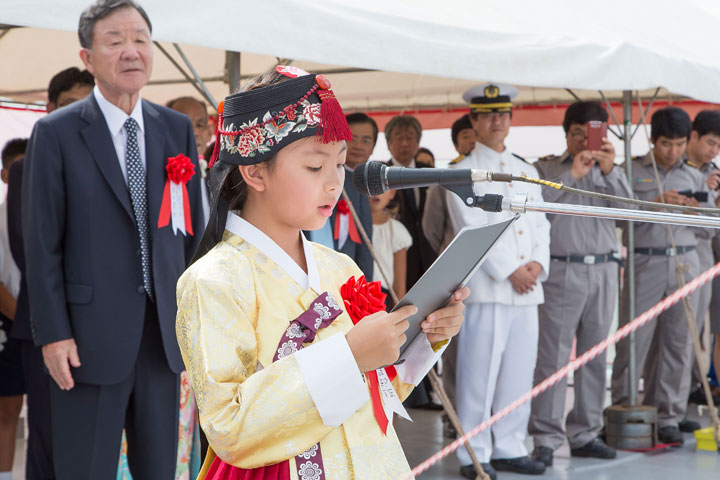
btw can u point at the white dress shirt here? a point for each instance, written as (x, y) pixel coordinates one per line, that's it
(115, 119)
(527, 240)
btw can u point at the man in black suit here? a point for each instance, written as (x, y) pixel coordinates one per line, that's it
(66, 87)
(402, 134)
(101, 268)
(365, 133)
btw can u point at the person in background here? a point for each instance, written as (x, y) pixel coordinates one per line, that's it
(65, 87)
(439, 232)
(403, 133)
(663, 349)
(580, 292)
(390, 241)
(12, 382)
(425, 158)
(703, 147)
(196, 110)
(102, 266)
(497, 345)
(340, 231)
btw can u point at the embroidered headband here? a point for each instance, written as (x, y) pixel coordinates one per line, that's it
(254, 125)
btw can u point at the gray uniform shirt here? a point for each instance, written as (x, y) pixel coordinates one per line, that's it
(679, 177)
(572, 235)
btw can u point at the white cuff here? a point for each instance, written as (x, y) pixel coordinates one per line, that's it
(333, 379)
(419, 359)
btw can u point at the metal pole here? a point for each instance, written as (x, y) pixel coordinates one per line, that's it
(232, 70)
(627, 123)
(208, 96)
(519, 204)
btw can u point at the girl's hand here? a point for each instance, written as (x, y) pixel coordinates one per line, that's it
(375, 340)
(445, 323)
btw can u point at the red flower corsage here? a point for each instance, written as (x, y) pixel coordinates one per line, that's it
(176, 202)
(362, 299)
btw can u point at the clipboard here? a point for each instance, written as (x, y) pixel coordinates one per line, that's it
(453, 269)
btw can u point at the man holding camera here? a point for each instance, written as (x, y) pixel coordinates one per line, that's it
(657, 267)
(581, 289)
(703, 147)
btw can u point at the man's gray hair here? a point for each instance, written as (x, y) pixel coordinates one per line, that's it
(99, 10)
(402, 122)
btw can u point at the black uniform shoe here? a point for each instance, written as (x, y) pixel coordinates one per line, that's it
(519, 465)
(697, 397)
(595, 448)
(689, 426)
(468, 471)
(448, 428)
(670, 434)
(543, 455)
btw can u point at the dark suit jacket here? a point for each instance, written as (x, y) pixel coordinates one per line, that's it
(82, 249)
(358, 252)
(420, 255)
(21, 324)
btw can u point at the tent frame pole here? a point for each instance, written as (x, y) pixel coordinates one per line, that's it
(184, 74)
(206, 93)
(627, 138)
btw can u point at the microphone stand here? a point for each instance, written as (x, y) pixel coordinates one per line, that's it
(520, 204)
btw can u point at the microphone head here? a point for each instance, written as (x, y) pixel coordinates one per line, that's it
(367, 178)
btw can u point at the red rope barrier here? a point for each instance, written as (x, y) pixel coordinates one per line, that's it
(638, 322)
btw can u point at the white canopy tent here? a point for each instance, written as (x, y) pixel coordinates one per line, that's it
(434, 50)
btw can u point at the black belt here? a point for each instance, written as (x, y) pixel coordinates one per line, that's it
(588, 259)
(666, 252)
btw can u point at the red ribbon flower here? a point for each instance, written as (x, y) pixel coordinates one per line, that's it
(344, 209)
(362, 299)
(180, 169)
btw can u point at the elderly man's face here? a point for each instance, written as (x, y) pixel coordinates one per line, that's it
(199, 118)
(121, 53)
(403, 144)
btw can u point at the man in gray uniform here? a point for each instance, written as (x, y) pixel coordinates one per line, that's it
(703, 147)
(580, 292)
(667, 379)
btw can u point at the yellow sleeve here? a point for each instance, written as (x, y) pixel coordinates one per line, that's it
(251, 418)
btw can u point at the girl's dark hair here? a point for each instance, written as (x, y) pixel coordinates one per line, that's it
(234, 190)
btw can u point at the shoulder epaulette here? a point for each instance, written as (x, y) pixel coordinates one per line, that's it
(521, 158)
(546, 157)
(457, 160)
(689, 163)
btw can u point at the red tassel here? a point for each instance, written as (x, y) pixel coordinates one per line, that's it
(334, 124)
(216, 149)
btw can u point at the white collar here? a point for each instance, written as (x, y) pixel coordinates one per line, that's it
(395, 163)
(253, 235)
(115, 117)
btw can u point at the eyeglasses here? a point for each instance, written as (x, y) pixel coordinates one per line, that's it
(494, 115)
(578, 136)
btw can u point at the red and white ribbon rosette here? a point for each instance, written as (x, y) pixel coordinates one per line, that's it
(344, 225)
(175, 202)
(362, 299)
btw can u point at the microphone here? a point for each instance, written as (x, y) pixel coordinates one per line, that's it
(374, 178)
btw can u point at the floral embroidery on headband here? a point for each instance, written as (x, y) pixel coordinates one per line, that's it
(261, 138)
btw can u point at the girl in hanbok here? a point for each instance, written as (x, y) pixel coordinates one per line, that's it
(278, 334)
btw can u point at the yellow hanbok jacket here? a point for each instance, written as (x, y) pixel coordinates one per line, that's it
(234, 304)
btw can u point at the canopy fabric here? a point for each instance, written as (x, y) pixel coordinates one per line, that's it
(614, 45)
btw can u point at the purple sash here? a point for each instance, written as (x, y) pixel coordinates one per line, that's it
(323, 312)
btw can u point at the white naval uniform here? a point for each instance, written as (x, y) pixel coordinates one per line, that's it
(497, 345)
